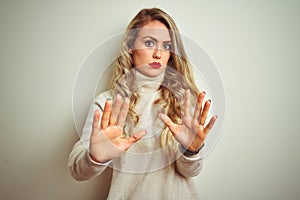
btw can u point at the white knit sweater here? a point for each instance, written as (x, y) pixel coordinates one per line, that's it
(145, 170)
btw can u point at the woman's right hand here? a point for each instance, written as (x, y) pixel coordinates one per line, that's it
(107, 141)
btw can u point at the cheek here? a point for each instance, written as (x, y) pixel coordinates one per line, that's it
(167, 56)
(138, 58)
(142, 55)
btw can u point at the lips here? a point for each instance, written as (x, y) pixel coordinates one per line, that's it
(155, 65)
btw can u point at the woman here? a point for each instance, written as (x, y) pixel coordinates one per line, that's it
(150, 127)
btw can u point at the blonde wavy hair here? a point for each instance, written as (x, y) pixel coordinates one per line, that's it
(173, 87)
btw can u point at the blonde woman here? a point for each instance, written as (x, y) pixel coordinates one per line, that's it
(151, 126)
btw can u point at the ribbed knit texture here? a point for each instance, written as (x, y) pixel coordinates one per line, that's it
(146, 170)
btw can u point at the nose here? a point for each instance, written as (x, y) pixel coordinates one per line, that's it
(157, 53)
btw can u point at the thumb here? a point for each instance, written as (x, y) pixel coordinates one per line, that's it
(172, 126)
(137, 136)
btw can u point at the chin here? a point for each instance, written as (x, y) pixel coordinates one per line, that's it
(152, 73)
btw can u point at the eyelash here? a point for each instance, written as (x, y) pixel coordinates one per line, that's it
(147, 43)
(167, 46)
(150, 43)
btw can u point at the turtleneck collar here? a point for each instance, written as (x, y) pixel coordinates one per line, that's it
(146, 84)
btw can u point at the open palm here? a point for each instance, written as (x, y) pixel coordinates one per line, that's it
(108, 141)
(191, 133)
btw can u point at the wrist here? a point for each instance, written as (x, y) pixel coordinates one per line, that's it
(188, 152)
(94, 159)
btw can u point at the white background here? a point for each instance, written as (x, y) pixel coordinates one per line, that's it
(254, 44)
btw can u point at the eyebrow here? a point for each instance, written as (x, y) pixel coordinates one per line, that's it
(168, 41)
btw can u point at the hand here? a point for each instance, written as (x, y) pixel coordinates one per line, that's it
(191, 133)
(108, 141)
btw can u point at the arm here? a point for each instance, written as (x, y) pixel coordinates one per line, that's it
(80, 163)
(190, 134)
(102, 139)
(189, 166)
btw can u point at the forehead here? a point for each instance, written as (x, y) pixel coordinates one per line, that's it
(155, 29)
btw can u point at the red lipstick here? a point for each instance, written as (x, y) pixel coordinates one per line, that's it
(155, 65)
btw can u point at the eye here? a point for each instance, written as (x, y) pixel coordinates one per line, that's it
(167, 46)
(149, 43)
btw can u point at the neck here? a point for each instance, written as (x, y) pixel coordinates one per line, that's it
(146, 84)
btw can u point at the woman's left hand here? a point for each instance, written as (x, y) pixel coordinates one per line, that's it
(191, 133)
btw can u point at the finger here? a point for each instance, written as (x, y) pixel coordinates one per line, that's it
(171, 125)
(136, 136)
(204, 113)
(187, 104)
(123, 113)
(210, 124)
(95, 127)
(198, 107)
(115, 110)
(106, 114)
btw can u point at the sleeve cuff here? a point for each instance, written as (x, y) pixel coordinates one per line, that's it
(189, 153)
(99, 163)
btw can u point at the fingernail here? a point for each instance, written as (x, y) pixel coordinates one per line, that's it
(118, 96)
(144, 133)
(108, 99)
(209, 100)
(163, 116)
(204, 92)
(216, 116)
(126, 99)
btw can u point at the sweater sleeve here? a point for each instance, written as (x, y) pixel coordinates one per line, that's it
(189, 166)
(81, 165)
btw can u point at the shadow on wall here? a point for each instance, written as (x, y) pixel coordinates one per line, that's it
(44, 174)
(93, 189)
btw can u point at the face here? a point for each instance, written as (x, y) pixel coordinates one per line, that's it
(151, 49)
